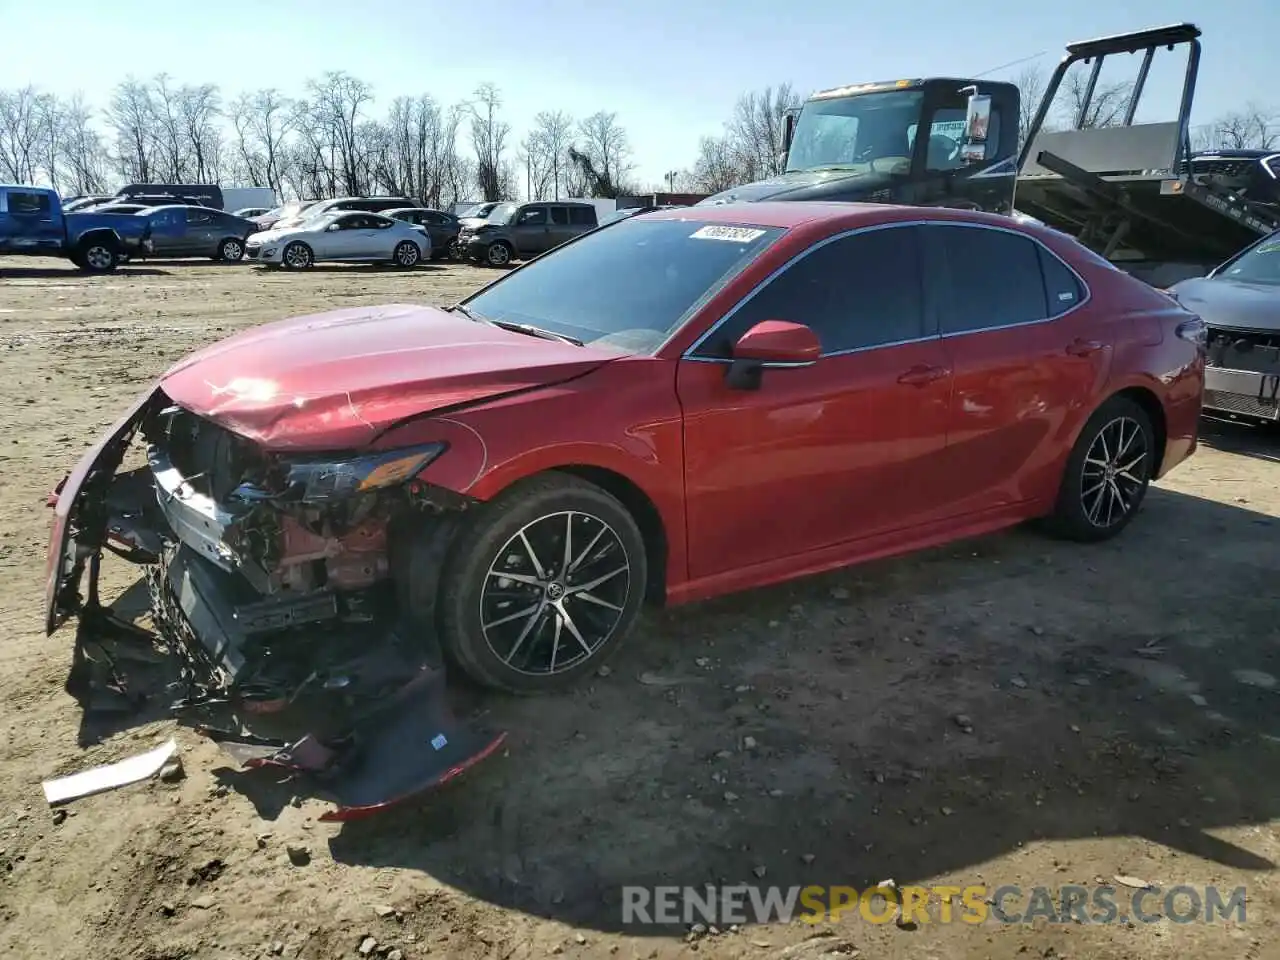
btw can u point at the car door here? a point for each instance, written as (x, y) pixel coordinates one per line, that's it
(829, 453)
(199, 237)
(1028, 359)
(531, 230)
(561, 229)
(336, 240)
(442, 228)
(168, 231)
(28, 223)
(379, 239)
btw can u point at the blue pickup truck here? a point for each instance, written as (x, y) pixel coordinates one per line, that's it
(32, 224)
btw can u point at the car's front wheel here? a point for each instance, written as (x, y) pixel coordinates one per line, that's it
(544, 584)
(297, 256)
(1107, 473)
(498, 255)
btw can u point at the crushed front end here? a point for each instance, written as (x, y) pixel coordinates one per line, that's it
(295, 591)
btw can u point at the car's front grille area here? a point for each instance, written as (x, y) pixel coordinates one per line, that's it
(253, 252)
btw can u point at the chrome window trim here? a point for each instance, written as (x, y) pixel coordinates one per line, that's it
(751, 294)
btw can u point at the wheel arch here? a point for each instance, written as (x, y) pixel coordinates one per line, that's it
(1147, 399)
(98, 235)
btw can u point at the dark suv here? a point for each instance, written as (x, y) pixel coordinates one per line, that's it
(522, 231)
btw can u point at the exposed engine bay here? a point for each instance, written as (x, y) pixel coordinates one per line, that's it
(297, 594)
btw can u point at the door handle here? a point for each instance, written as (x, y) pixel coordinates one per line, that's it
(1083, 348)
(923, 375)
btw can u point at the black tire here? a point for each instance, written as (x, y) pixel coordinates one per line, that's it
(98, 255)
(406, 255)
(499, 254)
(302, 258)
(1095, 501)
(541, 509)
(230, 249)
(453, 251)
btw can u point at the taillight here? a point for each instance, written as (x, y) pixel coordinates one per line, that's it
(1194, 331)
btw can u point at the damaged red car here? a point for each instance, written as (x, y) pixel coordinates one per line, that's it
(685, 403)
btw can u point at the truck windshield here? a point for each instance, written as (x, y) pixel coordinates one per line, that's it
(846, 133)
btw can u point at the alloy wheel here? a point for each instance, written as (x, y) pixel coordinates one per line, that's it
(498, 255)
(406, 255)
(232, 250)
(555, 593)
(297, 256)
(98, 257)
(1115, 472)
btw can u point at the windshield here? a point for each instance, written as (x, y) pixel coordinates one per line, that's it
(659, 272)
(846, 132)
(1259, 265)
(501, 213)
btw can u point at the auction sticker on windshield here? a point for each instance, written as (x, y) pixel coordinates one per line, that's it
(717, 232)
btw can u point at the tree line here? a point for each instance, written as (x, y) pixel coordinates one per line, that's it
(328, 142)
(332, 140)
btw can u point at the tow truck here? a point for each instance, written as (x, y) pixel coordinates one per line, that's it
(1132, 192)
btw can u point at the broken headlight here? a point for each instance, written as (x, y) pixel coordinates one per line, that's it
(310, 481)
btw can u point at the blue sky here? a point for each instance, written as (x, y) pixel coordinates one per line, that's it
(671, 69)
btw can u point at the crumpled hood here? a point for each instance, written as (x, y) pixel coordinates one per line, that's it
(1223, 302)
(269, 236)
(804, 185)
(336, 380)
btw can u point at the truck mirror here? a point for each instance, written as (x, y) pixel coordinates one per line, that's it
(977, 119)
(788, 131)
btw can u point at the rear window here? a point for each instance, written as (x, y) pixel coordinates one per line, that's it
(659, 272)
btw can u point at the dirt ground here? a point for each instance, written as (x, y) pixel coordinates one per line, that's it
(1007, 711)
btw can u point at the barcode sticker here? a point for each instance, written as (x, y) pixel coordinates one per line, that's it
(439, 741)
(735, 234)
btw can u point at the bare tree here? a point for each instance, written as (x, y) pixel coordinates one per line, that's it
(337, 103)
(82, 148)
(199, 109)
(717, 166)
(488, 139)
(131, 116)
(21, 132)
(1104, 109)
(1253, 128)
(1031, 85)
(756, 130)
(602, 153)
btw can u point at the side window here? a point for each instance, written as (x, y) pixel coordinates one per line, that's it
(351, 222)
(532, 217)
(1064, 291)
(30, 203)
(560, 216)
(995, 279)
(582, 216)
(197, 217)
(379, 223)
(859, 291)
(946, 133)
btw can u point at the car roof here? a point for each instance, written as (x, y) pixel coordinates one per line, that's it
(795, 213)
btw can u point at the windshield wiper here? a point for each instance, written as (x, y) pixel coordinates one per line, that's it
(468, 313)
(531, 330)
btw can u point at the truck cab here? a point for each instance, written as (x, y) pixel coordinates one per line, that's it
(864, 143)
(33, 223)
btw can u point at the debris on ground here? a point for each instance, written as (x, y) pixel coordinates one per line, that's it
(110, 776)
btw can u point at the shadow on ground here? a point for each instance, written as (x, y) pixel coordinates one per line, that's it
(62, 273)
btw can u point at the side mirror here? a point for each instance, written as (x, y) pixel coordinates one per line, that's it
(332, 227)
(771, 343)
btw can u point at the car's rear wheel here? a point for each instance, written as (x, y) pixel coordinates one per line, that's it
(543, 585)
(1107, 473)
(231, 249)
(297, 256)
(407, 254)
(498, 254)
(454, 249)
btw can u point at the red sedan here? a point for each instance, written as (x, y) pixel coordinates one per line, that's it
(679, 405)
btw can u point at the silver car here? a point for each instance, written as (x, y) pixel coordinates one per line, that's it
(353, 237)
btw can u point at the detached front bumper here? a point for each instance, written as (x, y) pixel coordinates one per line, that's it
(1242, 393)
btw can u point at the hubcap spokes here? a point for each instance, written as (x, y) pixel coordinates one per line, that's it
(555, 593)
(1115, 472)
